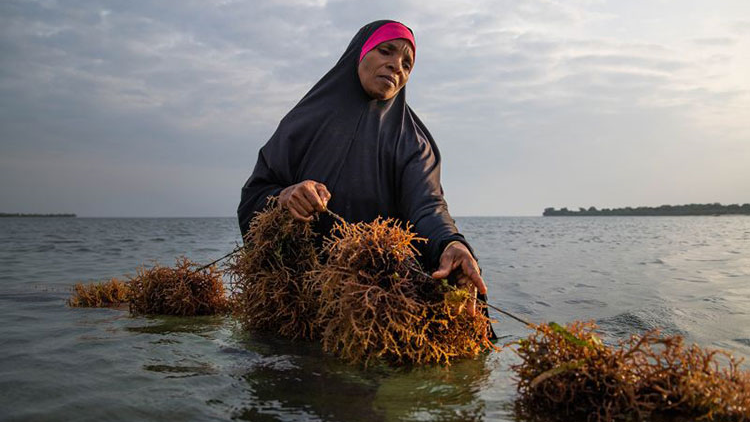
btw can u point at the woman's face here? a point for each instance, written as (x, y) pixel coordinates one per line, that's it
(385, 69)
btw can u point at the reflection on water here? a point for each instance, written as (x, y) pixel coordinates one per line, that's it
(436, 393)
(688, 276)
(296, 378)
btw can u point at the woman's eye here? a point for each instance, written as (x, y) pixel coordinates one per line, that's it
(384, 52)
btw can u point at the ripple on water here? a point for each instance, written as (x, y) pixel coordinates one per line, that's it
(70, 363)
(714, 299)
(639, 321)
(182, 371)
(54, 236)
(692, 279)
(587, 302)
(28, 297)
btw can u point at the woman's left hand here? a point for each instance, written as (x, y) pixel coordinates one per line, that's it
(457, 256)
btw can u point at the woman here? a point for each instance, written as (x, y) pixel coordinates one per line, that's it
(353, 145)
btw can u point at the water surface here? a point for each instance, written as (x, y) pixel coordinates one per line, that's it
(686, 275)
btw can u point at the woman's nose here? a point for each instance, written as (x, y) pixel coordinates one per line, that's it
(396, 65)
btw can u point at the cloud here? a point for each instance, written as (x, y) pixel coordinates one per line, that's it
(526, 99)
(715, 41)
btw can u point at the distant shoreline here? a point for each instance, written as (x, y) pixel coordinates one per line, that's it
(23, 215)
(663, 210)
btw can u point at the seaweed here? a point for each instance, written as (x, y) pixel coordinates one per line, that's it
(363, 294)
(570, 371)
(106, 294)
(182, 290)
(270, 287)
(377, 303)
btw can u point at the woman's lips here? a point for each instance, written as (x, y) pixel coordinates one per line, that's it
(389, 79)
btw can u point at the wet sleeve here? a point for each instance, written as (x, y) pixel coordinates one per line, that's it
(421, 201)
(261, 184)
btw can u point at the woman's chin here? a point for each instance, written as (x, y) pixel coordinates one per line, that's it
(384, 95)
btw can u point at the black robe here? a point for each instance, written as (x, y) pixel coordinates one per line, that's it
(375, 157)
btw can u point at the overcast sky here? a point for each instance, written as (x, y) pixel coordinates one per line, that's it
(158, 108)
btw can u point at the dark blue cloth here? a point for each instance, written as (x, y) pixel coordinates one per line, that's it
(375, 157)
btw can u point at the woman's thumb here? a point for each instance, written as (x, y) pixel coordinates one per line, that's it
(444, 270)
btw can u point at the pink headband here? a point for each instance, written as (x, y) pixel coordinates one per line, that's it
(387, 32)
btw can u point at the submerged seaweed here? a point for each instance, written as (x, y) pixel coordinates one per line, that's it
(378, 303)
(112, 293)
(569, 371)
(181, 290)
(270, 289)
(364, 295)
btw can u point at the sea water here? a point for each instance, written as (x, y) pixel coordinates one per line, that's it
(683, 275)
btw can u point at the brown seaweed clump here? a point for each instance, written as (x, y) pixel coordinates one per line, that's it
(270, 287)
(377, 303)
(107, 294)
(178, 290)
(569, 371)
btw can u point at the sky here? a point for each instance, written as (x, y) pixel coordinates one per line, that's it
(146, 108)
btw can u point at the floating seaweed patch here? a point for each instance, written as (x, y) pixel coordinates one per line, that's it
(377, 303)
(270, 287)
(182, 290)
(112, 293)
(569, 371)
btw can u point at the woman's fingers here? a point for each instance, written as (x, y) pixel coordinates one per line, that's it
(457, 255)
(447, 265)
(304, 199)
(312, 198)
(298, 213)
(323, 193)
(471, 270)
(467, 283)
(302, 202)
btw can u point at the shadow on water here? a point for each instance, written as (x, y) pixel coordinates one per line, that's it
(298, 380)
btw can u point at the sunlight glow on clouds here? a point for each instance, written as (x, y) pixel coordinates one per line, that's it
(533, 104)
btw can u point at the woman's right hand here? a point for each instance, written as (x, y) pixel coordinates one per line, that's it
(304, 199)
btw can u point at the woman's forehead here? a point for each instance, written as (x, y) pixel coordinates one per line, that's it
(398, 44)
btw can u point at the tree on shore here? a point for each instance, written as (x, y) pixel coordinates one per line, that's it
(689, 209)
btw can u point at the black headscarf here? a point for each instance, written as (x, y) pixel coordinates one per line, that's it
(375, 157)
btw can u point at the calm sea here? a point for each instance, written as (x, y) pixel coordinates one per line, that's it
(686, 275)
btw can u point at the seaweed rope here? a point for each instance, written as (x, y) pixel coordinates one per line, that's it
(237, 249)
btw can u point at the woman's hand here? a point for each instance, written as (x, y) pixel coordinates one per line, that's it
(457, 256)
(305, 199)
